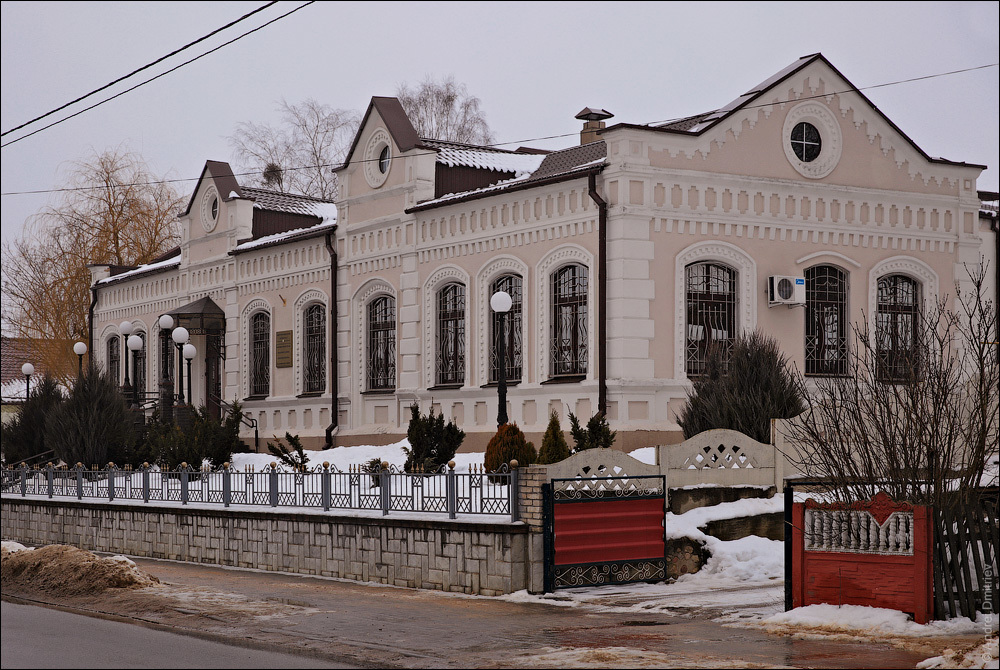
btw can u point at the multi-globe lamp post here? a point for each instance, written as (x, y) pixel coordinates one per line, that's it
(501, 303)
(135, 343)
(180, 337)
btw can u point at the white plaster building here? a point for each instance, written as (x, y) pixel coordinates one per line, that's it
(626, 256)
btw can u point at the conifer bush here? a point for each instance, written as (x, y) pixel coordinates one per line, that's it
(432, 442)
(94, 425)
(743, 388)
(554, 446)
(24, 436)
(508, 444)
(289, 451)
(597, 434)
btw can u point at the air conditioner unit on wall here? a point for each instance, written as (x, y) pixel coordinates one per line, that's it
(789, 291)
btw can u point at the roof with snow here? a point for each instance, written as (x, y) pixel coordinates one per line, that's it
(290, 203)
(455, 154)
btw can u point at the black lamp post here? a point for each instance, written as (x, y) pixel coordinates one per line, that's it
(27, 370)
(189, 353)
(501, 303)
(80, 349)
(125, 328)
(135, 344)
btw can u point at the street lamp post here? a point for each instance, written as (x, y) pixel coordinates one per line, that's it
(189, 353)
(180, 338)
(135, 344)
(80, 349)
(27, 370)
(125, 328)
(501, 303)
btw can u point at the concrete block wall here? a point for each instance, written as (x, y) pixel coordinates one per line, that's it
(467, 557)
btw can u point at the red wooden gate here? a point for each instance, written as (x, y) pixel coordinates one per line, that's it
(607, 530)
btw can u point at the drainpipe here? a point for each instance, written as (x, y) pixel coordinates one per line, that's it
(90, 324)
(334, 370)
(602, 294)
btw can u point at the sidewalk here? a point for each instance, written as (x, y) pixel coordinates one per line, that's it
(373, 625)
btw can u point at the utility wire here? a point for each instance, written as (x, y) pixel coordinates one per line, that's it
(501, 144)
(151, 79)
(144, 67)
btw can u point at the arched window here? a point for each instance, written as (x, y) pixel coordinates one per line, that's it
(450, 359)
(710, 290)
(511, 284)
(826, 320)
(382, 344)
(260, 354)
(896, 323)
(569, 321)
(140, 367)
(114, 358)
(314, 342)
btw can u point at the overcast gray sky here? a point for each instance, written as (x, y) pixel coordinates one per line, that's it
(533, 65)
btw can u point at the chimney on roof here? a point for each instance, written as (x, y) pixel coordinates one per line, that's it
(594, 121)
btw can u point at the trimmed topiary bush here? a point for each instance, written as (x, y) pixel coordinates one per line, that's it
(508, 444)
(554, 446)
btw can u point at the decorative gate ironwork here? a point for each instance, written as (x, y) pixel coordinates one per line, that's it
(607, 530)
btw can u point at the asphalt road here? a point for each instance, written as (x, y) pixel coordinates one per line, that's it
(40, 637)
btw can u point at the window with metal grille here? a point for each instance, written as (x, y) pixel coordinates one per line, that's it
(314, 374)
(140, 366)
(260, 354)
(710, 313)
(826, 320)
(450, 360)
(569, 321)
(166, 359)
(114, 359)
(382, 344)
(896, 322)
(511, 284)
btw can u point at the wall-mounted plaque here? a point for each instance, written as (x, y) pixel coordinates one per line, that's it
(283, 349)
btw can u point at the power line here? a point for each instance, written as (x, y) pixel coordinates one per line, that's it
(499, 144)
(151, 79)
(144, 67)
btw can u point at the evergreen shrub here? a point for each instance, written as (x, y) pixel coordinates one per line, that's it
(554, 446)
(508, 444)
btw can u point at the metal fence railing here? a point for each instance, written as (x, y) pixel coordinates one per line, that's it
(321, 487)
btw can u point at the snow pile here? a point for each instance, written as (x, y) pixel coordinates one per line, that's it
(67, 570)
(8, 547)
(344, 458)
(872, 620)
(983, 655)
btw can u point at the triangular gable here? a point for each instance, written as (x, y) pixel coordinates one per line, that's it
(396, 122)
(224, 179)
(707, 122)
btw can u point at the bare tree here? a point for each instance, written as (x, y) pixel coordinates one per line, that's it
(919, 424)
(114, 211)
(299, 155)
(445, 111)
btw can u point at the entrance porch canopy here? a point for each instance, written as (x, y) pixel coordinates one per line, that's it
(201, 317)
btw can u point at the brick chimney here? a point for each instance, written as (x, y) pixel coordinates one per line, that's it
(593, 121)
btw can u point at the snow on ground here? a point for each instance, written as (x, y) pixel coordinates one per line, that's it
(346, 457)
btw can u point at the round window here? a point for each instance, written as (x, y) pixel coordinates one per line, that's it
(383, 160)
(806, 142)
(215, 208)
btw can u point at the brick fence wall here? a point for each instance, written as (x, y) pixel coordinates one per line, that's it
(483, 558)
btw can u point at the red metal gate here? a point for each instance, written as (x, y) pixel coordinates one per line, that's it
(607, 530)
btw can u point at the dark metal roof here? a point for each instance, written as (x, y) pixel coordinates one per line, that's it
(566, 160)
(200, 316)
(225, 182)
(288, 203)
(396, 122)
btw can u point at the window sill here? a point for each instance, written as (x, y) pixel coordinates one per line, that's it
(567, 379)
(310, 394)
(379, 392)
(493, 385)
(445, 387)
(251, 398)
